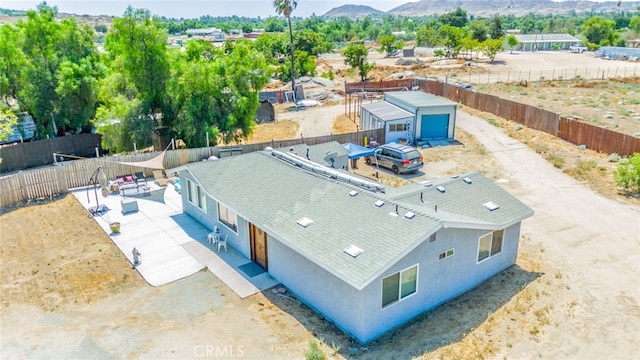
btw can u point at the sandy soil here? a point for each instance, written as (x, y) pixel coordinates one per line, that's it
(68, 293)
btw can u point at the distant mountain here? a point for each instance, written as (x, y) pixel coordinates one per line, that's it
(486, 8)
(353, 11)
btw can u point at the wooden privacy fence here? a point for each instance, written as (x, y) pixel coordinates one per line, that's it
(40, 153)
(47, 182)
(576, 132)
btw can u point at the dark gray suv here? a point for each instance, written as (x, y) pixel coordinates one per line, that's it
(397, 157)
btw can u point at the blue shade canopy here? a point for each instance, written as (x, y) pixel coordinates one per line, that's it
(357, 151)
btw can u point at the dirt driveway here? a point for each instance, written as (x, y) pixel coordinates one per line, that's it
(589, 241)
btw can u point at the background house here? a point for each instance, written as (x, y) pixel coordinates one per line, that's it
(534, 42)
(368, 258)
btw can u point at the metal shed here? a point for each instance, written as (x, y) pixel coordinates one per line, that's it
(435, 117)
(398, 123)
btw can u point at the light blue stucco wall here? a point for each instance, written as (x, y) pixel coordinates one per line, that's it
(238, 239)
(322, 291)
(438, 280)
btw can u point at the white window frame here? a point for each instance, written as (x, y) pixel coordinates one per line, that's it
(196, 195)
(491, 252)
(445, 254)
(231, 223)
(400, 297)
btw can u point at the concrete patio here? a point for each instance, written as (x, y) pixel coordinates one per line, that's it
(172, 244)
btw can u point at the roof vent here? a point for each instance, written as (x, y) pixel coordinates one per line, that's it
(426, 183)
(468, 181)
(455, 176)
(441, 189)
(353, 251)
(353, 193)
(491, 205)
(409, 215)
(378, 203)
(304, 222)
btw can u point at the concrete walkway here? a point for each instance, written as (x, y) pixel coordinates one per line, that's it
(172, 244)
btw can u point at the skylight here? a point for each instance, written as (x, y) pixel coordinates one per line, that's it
(353, 193)
(441, 189)
(304, 222)
(491, 205)
(378, 203)
(468, 181)
(353, 251)
(409, 215)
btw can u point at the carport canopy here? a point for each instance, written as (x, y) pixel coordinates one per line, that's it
(356, 151)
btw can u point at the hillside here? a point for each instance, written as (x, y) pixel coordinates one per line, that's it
(352, 11)
(487, 8)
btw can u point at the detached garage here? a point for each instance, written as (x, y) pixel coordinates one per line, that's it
(435, 116)
(398, 123)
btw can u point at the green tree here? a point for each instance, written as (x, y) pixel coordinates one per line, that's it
(12, 63)
(512, 41)
(7, 121)
(137, 47)
(101, 28)
(61, 71)
(597, 29)
(491, 48)
(634, 24)
(456, 18)
(286, 7)
(388, 44)
(273, 24)
(427, 36)
(478, 30)
(627, 174)
(495, 29)
(355, 55)
(451, 38)
(274, 44)
(311, 42)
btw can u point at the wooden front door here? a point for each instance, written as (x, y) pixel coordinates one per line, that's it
(258, 246)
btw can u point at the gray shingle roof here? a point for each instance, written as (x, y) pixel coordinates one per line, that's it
(274, 194)
(386, 111)
(419, 98)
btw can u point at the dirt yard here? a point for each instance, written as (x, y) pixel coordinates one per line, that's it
(67, 292)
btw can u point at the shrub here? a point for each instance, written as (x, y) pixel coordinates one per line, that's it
(627, 174)
(314, 352)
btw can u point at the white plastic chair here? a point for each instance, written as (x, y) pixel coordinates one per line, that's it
(212, 238)
(223, 243)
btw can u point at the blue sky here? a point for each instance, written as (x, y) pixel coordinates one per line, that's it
(197, 8)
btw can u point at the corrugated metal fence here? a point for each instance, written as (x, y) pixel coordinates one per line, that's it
(51, 181)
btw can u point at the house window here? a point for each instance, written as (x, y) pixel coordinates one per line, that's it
(228, 217)
(397, 127)
(490, 245)
(446, 254)
(399, 285)
(196, 195)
